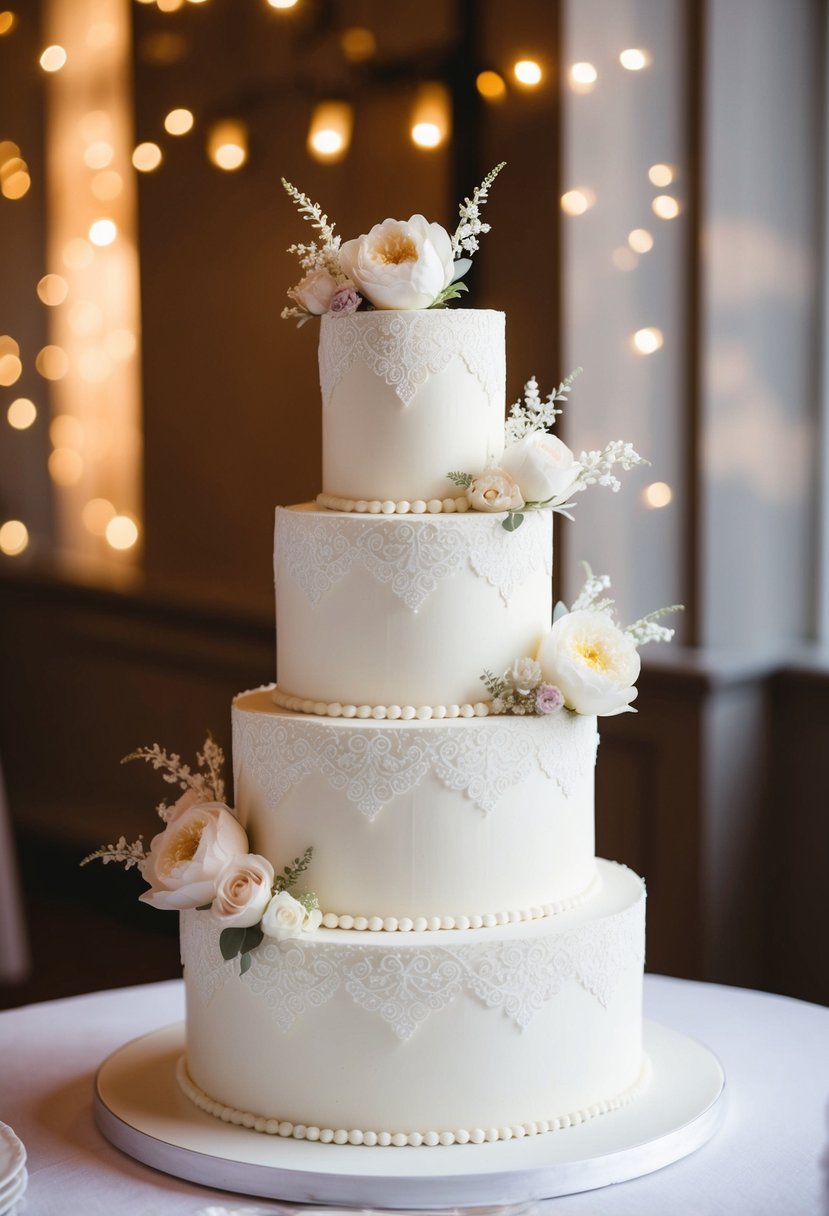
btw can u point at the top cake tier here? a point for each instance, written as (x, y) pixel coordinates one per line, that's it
(408, 397)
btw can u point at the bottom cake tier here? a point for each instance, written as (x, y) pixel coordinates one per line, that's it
(422, 1038)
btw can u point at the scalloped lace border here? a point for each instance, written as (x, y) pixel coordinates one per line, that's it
(430, 1139)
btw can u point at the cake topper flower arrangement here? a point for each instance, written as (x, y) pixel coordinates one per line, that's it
(587, 662)
(399, 264)
(537, 469)
(201, 860)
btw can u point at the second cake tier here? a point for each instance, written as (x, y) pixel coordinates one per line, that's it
(421, 824)
(406, 610)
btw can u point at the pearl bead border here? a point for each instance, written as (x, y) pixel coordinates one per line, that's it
(376, 506)
(379, 713)
(430, 1139)
(486, 920)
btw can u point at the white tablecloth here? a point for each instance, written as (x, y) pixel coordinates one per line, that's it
(770, 1156)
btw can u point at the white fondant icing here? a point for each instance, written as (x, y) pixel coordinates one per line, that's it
(425, 603)
(407, 398)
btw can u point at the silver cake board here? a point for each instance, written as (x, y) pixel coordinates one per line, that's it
(141, 1110)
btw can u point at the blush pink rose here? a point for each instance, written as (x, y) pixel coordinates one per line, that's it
(185, 859)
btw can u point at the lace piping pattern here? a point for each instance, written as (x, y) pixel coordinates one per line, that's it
(406, 349)
(373, 764)
(411, 555)
(403, 986)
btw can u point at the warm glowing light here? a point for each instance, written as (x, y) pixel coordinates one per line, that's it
(169, 6)
(77, 253)
(490, 85)
(14, 179)
(657, 494)
(85, 318)
(146, 157)
(624, 258)
(582, 77)
(283, 3)
(121, 532)
(94, 365)
(7, 22)
(661, 175)
(95, 124)
(102, 232)
(528, 73)
(8, 346)
(96, 515)
(14, 537)
(640, 240)
(53, 289)
(163, 47)
(52, 362)
(634, 59)
(21, 413)
(358, 44)
(330, 131)
(121, 344)
(107, 185)
(648, 340)
(665, 206)
(8, 151)
(576, 202)
(98, 154)
(53, 59)
(431, 115)
(66, 467)
(227, 144)
(179, 122)
(65, 431)
(10, 369)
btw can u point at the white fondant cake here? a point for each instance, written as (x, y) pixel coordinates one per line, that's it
(477, 973)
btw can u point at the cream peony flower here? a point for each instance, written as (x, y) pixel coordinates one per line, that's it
(285, 917)
(401, 264)
(185, 859)
(315, 292)
(494, 490)
(243, 890)
(588, 657)
(543, 466)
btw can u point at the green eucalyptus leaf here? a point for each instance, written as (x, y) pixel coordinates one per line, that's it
(514, 520)
(244, 963)
(253, 937)
(230, 942)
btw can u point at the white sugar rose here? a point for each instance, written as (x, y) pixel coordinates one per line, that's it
(494, 490)
(543, 467)
(185, 859)
(315, 292)
(588, 657)
(285, 917)
(524, 674)
(401, 264)
(243, 891)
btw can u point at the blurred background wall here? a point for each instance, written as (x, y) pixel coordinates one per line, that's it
(660, 223)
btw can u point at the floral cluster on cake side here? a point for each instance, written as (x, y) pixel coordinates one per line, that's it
(586, 663)
(398, 265)
(201, 859)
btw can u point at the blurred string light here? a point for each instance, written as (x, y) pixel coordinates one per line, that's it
(102, 231)
(661, 175)
(358, 44)
(576, 202)
(665, 206)
(430, 116)
(640, 240)
(7, 22)
(582, 77)
(121, 532)
(14, 172)
(624, 258)
(53, 58)
(21, 414)
(329, 133)
(179, 121)
(14, 537)
(146, 157)
(649, 340)
(634, 59)
(227, 144)
(657, 494)
(528, 72)
(282, 4)
(491, 85)
(52, 362)
(52, 289)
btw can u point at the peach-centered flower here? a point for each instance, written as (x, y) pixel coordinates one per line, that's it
(315, 292)
(400, 264)
(594, 664)
(494, 490)
(185, 859)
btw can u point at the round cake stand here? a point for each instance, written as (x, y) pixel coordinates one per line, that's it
(140, 1109)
